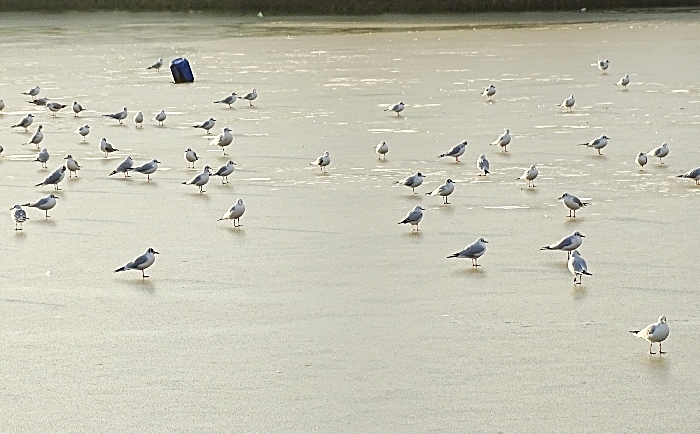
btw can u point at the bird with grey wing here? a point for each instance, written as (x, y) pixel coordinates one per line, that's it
(234, 213)
(414, 217)
(692, 174)
(201, 179)
(36, 138)
(456, 151)
(444, 190)
(412, 181)
(397, 108)
(148, 168)
(228, 100)
(250, 97)
(120, 116)
(598, 143)
(19, 216)
(77, 108)
(141, 263)
(224, 139)
(657, 332)
(25, 122)
(54, 107)
(106, 147)
(33, 92)
(224, 171)
(157, 65)
(191, 157)
(56, 177)
(567, 244)
(124, 167)
(72, 166)
(43, 157)
(206, 125)
(40, 102)
(83, 131)
(160, 117)
(577, 266)
(573, 203)
(473, 251)
(44, 204)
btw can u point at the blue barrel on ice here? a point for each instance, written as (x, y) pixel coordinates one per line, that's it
(182, 73)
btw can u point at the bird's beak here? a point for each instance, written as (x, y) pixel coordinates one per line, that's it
(156, 252)
(486, 241)
(583, 236)
(562, 197)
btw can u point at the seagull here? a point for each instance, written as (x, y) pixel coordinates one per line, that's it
(160, 117)
(77, 108)
(489, 91)
(483, 165)
(54, 107)
(250, 96)
(530, 174)
(44, 204)
(83, 131)
(567, 244)
(657, 332)
(503, 140)
(141, 263)
(659, 152)
(228, 100)
(36, 138)
(224, 171)
(120, 116)
(124, 167)
(598, 143)
(602, 65)
(568, 103)
(19, 216)
(224, 139)
(473, 251)
(693, 174)
(138, 119)
(43, 157)
(40, 101)
(572, 202)
(412, 181)
(444, 190)
(72, 166)
(206, 125)
(641, 160)
(398, 107)
(157, 65)
(234, 213)
(200, 179)
(25, 122)
(148, 168)
(191, 156)
(456, 151)
(414, 217)
(107, 148)
(577, 266)
(382, 149)
(56, 177)
(33, 92)
(2, 105)
(322, 161)
(624, 81)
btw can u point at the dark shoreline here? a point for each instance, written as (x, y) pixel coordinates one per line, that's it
(338, 7)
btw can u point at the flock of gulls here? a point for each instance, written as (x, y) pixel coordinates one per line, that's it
(653, 333)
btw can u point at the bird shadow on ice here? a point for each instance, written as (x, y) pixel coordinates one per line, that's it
(138, 283)
(579, 292)
(413, 233)
(45, 221)
(468, 270)
(655, 362)
(20, 234)
(237, 231)
(571, 220)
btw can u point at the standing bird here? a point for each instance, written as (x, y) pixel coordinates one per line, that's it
(141, 263)
(489, 92)
(572, 202)
(77, 108)
(692, 174)
(503, 140)
(568, 103)
(530, 175)
(157, 65)
(456, 151)
(191, 156)
(138, 119)
(54, 107)
(598, 143)
(124, 167)
(33, 92)
(107, 148)
(444, 190)
(206, 125)
(228, 100)
(414, 217)
(72, 166)
(659, 152)
(473, 251)
(25, 122)
(224, 171)
(224, 139)
(36, 138)
(567, 244)
(83, 131)
(120, 116)
(234, 213)
(412, 181)
(147, 168)
(641, 160)
(602, 65)
(398, 108)
(577, 266)
(201, 179)
(56, 177)
(624, 81)
(322, 161)
(43, 157)
(657, 332)
(483, 165)
(250, 97)
(44, 204)
(18, 215)
(160, 117)
(382, 149)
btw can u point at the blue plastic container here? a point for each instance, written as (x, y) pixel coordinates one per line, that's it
(182, 73)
